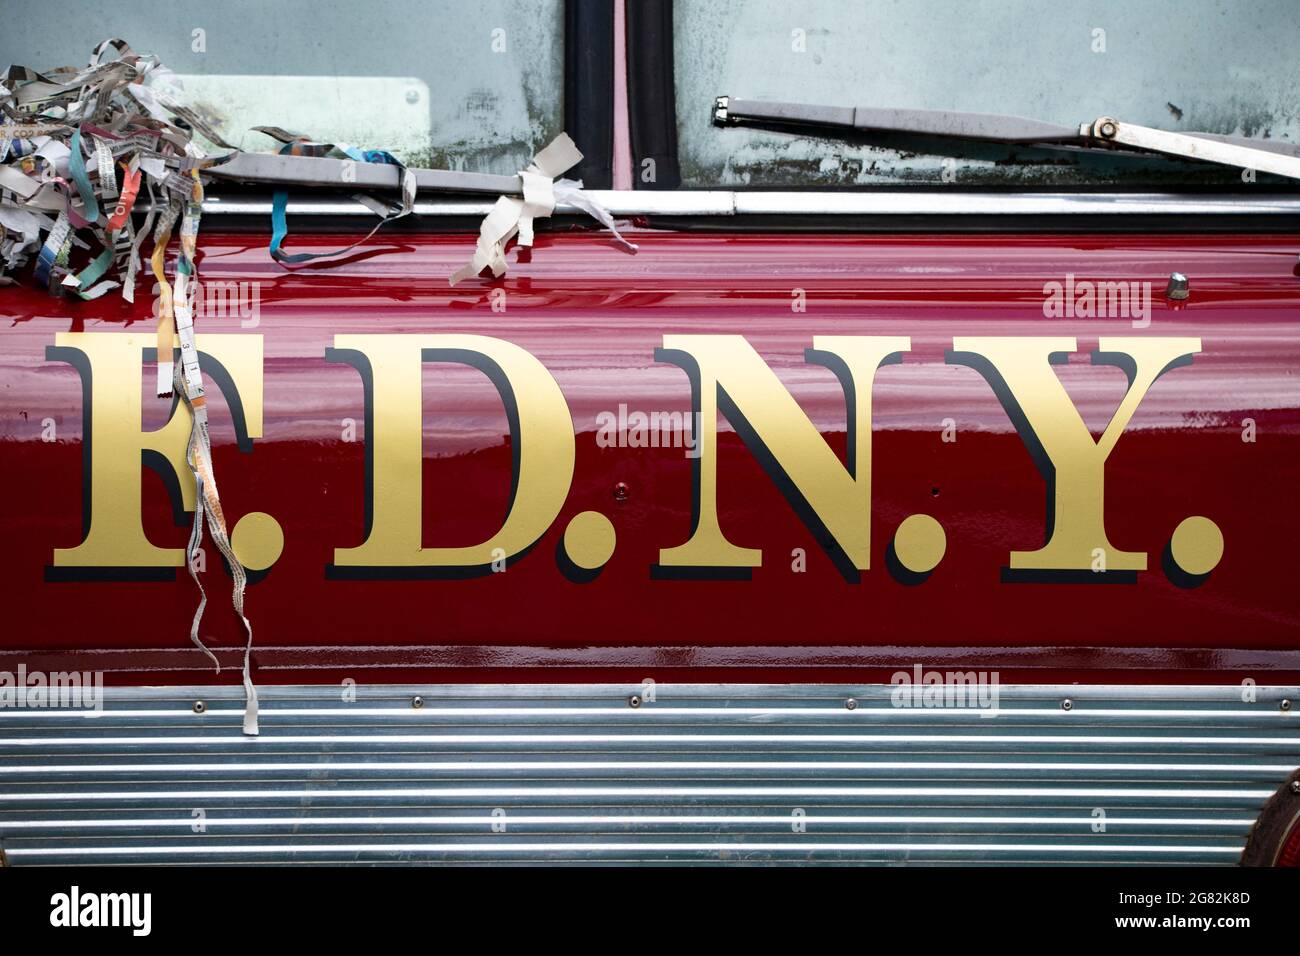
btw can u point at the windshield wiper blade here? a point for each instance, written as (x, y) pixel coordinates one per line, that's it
(730, 111)
(1269, 156)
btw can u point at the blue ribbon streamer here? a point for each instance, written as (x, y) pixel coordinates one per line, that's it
(77, 167)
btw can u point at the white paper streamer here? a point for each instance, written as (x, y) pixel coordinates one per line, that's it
(513, 216)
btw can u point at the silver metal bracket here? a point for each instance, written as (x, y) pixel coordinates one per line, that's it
(720, 106)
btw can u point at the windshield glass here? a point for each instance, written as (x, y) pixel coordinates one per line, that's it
(475, 87)
(1184, 65)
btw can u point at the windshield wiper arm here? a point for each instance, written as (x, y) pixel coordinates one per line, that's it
(1268, 156)
(275, 169)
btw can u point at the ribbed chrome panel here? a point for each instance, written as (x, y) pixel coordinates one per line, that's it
(703, 773)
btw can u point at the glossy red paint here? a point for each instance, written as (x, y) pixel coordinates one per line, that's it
(594, 316)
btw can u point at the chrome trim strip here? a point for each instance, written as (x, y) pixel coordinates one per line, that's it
(824, 712)
(638, 849)
(781, 821)
(685, 766)
(1285, 745)
(140, 794)
(1264, 694)
(912, 202)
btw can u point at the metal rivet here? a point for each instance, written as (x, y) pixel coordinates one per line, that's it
(851, 704)
(1067, 704)
(199, 707)
(412, 96)
(1286, 705)
(621, 491)
(417, 702)
(634, 700)
(1177, 288)
(1295, 786)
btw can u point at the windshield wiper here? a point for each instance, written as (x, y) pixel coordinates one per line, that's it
(276, 169)
(1267, 156)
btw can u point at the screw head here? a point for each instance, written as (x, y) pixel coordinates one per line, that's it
(417, 702)
(1067, 704)
(1285, 705)
(200, 707)
(1107, 128)
(1295, 786)
(851, 704)
(412, 96)
(634, 701)
(621, 491)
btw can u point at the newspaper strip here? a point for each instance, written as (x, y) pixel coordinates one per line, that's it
(188, 383)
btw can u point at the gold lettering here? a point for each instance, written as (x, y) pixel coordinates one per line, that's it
(1020, 371)
(115, 445)
(542, 438)
(834, 502)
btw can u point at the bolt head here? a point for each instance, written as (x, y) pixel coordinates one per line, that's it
(1108, 129)
(200, 707)
(1286, 705)
(634, 701)
(1178, 287)
(851, 704)
(1067, 704)
(621, 491)
(417, 702)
